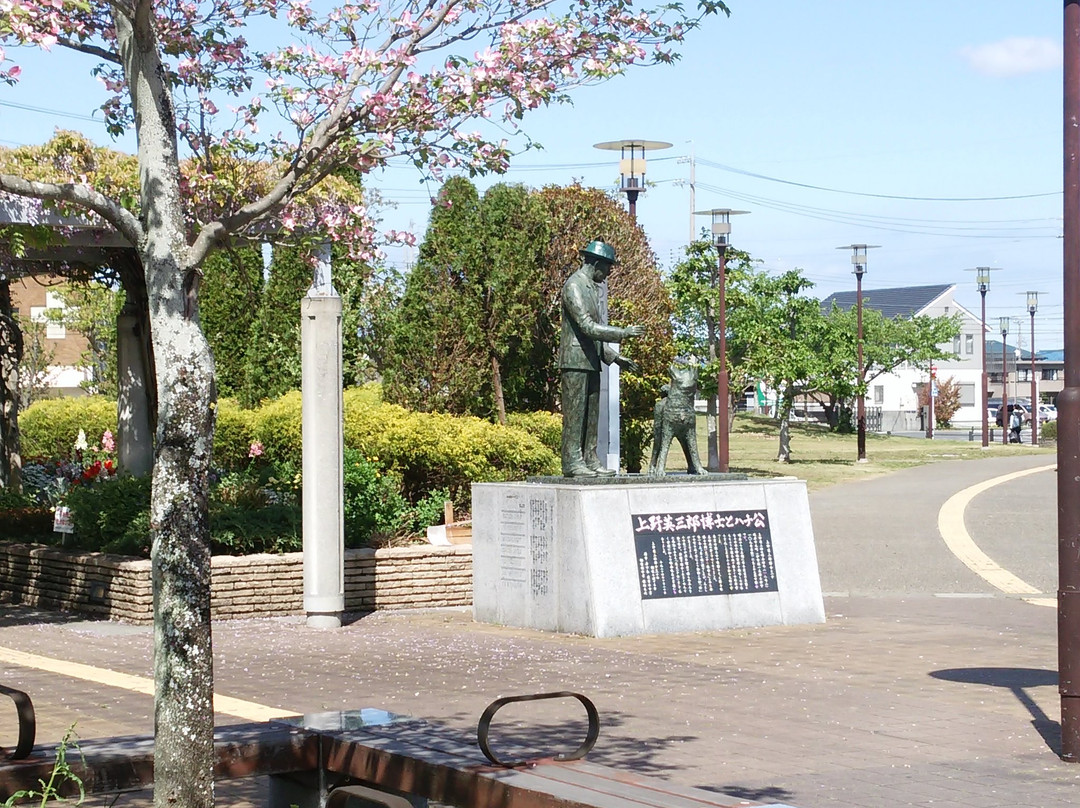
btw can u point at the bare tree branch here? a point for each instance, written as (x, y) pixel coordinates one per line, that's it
(93, 50)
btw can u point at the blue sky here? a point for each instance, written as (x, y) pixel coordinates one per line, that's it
(923, 99)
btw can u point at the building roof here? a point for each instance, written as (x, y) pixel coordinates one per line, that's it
(902, 301)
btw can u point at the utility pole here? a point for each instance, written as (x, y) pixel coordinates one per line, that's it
(692, 184)
(1068, 450)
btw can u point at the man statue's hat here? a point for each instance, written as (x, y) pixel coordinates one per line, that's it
(600, 249)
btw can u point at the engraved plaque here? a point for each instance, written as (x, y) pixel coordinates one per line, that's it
(514, 540)
(706, 553)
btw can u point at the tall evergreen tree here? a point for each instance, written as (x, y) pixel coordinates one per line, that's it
(434, 364)
(229, 303)
(272, 361)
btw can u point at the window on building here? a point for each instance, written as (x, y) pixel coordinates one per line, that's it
(879, 394)
(1051, 374)
(1023, 374)
(967, 395)
(969, 344)
(53, 330)
(956, 345)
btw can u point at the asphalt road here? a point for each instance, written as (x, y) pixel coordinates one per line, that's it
(880, 537)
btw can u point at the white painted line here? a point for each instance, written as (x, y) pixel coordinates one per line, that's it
(137, 684)
(958, 540)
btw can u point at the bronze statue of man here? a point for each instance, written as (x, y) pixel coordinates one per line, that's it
(584, 344)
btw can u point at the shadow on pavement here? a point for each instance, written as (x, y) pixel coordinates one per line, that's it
(1016, 680)
(15, 615)
(772, 793)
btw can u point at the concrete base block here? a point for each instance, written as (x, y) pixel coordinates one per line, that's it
(644, 557)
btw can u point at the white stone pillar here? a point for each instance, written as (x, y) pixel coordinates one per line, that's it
(134, 443)
(607, 443)
(323, 411)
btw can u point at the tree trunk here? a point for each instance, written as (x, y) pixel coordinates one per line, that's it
(10, 354)
(180, 551)
(179, 525)
(496, 382)
(787, 401)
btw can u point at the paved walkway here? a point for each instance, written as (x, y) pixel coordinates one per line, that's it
(927, 685)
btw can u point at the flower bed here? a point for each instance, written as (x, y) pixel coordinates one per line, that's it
(118, 587)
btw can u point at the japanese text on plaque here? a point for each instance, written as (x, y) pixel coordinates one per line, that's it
(711, 553)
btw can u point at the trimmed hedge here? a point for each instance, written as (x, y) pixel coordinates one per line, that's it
(1049, 430)
(428, 451)
(544, 426)
(49, 428)
(233, 435)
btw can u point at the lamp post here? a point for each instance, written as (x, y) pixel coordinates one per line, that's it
(632, 165)
(858, 259)
(1003, 327)
(721, 230)
(982, 280)
(1032, 306)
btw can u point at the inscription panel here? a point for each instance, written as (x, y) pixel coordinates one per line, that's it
(527, 531)
(704, 553)
(514, 540)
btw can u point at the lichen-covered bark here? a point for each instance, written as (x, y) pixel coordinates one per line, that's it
(183, 664)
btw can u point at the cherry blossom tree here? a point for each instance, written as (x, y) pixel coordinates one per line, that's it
(340, 90)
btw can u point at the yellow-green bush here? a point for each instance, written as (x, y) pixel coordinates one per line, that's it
(545, 426)
(49, 428)
(427, 450)
(1049, 430)
(233, 434)
(434, 450)
(276, 425)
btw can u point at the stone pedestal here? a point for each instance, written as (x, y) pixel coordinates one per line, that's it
(641, 555)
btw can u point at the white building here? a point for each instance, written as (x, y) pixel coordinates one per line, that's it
(892, 398)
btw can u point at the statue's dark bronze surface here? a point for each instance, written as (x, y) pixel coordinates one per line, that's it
(585, 343)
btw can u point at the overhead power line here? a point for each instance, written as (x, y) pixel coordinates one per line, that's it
(45, 111)
(766, 177)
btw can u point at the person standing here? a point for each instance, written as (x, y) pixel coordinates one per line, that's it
(584, 343)
(1016, 422)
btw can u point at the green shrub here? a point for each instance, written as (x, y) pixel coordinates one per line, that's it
(272, 528)
(544, 426)
(233, 434)
(277, 426)
(373, 500)
(1049, 430)
(49, 428)
(103, 511)
(434, 450)
(428, 451)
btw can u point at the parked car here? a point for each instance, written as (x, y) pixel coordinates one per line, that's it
(1047, 412)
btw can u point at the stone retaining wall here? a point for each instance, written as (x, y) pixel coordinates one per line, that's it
(118, 587)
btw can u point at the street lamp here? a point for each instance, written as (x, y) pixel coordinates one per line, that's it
(632, 165)
(858, 259)
(982, 280)
(721, 230)
(1003, 327)
(1032, 306)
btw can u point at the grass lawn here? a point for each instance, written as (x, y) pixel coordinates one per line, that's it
(823, 458)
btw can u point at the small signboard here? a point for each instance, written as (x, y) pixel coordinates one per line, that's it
(62, 520)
